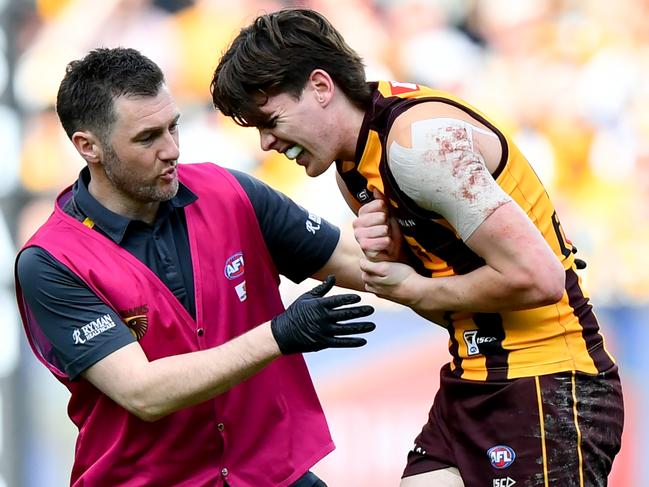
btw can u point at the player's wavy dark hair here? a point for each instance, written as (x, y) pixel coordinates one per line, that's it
(85, 97)
(276, 54)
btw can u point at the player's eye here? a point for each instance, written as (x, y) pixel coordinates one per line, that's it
(269, 124)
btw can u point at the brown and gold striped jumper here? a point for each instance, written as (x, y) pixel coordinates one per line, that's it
(485, 346)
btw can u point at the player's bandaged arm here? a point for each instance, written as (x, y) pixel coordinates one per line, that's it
(434, 161)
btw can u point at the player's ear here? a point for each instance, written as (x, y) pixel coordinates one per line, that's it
(88, 146)
(322, 85)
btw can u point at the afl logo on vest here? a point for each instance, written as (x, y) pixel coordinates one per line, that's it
(501, 456)
(234, 266)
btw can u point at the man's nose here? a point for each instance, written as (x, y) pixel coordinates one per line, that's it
(171, 149)
(266, 140)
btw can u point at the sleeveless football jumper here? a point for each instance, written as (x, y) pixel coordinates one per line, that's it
(485, 346)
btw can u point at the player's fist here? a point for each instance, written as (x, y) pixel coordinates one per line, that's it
(376, 232)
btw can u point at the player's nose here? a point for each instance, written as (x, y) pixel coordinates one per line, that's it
(267, 140)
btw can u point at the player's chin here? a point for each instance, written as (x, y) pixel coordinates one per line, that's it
(313, 169)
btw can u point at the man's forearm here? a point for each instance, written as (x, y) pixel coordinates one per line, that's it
(160, 387)
(151, 390)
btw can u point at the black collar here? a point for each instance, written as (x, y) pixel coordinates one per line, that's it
(112, 224)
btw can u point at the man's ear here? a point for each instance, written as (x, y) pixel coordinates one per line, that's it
(323, 86)
(88, 145)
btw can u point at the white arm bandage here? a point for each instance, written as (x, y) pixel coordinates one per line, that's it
(443, 173)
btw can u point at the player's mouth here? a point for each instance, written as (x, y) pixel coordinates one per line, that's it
(294, 151)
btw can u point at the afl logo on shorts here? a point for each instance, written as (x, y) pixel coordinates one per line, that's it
(234, 266)
(501, 456)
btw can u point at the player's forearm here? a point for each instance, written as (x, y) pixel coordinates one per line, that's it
(166, 385)
(483, 290)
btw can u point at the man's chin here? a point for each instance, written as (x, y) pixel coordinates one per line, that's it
(314, 170)
(167, 193)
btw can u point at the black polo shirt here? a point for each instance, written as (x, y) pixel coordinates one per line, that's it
(62, 302)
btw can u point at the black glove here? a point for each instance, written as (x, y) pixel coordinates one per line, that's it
(311, 322)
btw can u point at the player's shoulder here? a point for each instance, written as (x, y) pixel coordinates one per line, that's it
(439, 113)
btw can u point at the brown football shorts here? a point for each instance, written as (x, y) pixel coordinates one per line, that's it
(555, 430)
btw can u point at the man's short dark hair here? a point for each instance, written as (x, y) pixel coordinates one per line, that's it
(90, 85)
(276, 54)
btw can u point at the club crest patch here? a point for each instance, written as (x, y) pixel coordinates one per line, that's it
(137, 320)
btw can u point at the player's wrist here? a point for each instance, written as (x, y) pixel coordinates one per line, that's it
(417, 293)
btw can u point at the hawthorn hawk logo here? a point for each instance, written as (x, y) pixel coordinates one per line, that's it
(137, 321)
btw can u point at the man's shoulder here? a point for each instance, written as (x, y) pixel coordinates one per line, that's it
(201, 174)
(205, 166)
(32, 261)
(30, 257)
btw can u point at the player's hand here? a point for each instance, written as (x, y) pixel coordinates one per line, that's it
(312, 321)
(391, 280)
(376, 232)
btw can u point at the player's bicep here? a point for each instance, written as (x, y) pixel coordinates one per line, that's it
(512, 245)
(506, 238)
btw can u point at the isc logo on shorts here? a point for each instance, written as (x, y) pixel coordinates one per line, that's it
(234, 266)
(501, 456)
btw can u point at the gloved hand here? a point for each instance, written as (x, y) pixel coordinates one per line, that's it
(311, 322)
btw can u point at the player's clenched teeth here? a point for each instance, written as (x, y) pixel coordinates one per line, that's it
(294, 151)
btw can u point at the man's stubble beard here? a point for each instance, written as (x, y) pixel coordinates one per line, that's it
(129, 183)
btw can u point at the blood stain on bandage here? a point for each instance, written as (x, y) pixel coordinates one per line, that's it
(445, 146)
(452, 138)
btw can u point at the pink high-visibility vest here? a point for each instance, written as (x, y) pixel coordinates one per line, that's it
(265, 432)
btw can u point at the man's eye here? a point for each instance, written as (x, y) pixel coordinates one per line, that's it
(269, 124)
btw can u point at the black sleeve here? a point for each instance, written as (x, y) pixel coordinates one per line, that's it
(63, 305)
(299, 242)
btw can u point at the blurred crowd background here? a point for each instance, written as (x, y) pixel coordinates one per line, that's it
(569, 78)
